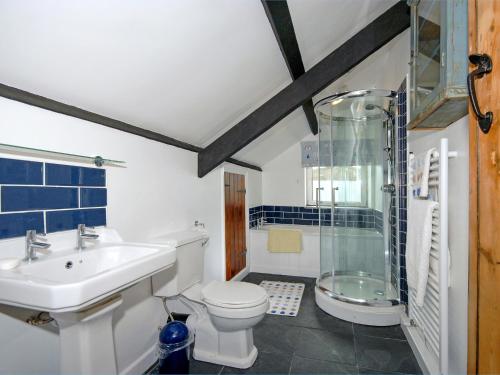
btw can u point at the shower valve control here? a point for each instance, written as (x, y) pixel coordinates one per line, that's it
(389, 188)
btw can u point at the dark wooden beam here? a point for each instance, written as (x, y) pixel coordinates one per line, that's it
(281, 22)
(65, 109)
(367, 41)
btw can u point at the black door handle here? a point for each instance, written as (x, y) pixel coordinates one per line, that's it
(484, 66)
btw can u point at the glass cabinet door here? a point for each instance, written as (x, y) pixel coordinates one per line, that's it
(438, 66)
(427, 50)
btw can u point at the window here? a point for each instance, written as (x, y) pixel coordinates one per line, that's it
(351, 184)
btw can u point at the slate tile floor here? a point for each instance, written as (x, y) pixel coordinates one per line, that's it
(317, 343)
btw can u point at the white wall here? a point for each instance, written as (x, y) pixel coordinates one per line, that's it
(283, 176)
(458, 220)
(283, 180)
(157, 192)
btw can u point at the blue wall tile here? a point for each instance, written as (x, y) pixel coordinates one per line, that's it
(310, 216)
(66, 220)
(27, 198)
(67, 175)
(16, 225)
(93, 197)
(16, 196)
(274, 214)
(21, 172)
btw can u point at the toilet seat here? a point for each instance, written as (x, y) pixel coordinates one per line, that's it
(233, 294)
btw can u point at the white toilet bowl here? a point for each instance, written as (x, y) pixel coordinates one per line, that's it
(223, 327)
(223, 313)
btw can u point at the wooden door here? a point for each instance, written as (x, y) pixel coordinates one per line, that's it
(484, 213)
(236, 248)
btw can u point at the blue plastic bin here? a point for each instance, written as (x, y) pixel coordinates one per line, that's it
(174, 348)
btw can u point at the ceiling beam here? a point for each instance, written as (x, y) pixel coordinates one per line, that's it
(29, 98)
(281, 22)
(367, 41)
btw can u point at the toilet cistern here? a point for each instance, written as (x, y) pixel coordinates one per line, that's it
(33, 244)
(82, 235)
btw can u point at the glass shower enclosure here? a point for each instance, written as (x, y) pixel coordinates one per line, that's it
(355, 193)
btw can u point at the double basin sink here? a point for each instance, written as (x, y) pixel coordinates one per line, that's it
(81, 289)
(68, 280)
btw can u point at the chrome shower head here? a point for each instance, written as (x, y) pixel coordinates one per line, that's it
(371, 107)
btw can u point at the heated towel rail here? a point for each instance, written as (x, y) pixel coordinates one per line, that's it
(428, 325)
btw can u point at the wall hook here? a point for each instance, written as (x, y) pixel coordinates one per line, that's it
(484, 66)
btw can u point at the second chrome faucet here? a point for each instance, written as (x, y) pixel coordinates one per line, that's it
(82, 235)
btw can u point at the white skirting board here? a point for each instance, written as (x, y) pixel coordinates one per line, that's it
(241, 275)
(426, 360)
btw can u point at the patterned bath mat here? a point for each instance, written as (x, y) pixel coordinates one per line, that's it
(284, 298)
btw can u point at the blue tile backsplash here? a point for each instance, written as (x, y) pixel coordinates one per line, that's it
(69, 219)
(343, 217)
(93, 197)
(16, 225)
(29, 198)
(70, 195)
(68, 175)
(21, 172)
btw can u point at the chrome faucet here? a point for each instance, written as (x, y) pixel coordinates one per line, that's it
(82, 235)
(32, 245)
(198, 224)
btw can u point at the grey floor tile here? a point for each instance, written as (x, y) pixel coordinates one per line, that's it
(272, 337)
(391, 332)
(325, 345)
(367, 371)
(388, 355)
(311, 316)
(199, 367)
(266, 363)
(302, 365)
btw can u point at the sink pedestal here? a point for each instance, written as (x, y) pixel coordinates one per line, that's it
(86, 339)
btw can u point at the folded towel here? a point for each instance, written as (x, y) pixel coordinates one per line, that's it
(420, 167)
(281, 240)
(419, 245)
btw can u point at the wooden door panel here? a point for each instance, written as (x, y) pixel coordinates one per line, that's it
(484, 275)
(235, 223)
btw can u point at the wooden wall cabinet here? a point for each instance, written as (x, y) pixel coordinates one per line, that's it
(438, 66)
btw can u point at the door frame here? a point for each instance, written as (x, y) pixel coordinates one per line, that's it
(244, 172)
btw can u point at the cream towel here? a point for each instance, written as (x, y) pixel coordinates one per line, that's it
(419, 245)
(420, 171)
(281, 240)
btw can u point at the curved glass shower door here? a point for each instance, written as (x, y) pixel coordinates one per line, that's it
(355, 193)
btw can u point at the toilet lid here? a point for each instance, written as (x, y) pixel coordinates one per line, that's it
(233, 294)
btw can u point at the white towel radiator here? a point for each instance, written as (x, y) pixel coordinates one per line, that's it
(427, 326)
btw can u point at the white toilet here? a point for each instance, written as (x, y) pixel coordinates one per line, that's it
(222, 312)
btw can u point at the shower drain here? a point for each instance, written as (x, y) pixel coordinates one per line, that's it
(379, 292)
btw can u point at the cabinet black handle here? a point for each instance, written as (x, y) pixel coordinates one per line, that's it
(484, 66)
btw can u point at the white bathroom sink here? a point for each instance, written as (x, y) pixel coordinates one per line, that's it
(69, 280)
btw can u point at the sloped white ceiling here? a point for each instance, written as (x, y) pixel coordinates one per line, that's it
(323, 25)
(184, 68)
(285, 133)
(189, 69)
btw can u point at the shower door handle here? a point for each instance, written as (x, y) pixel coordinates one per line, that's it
(317, 197)
(334, 189)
